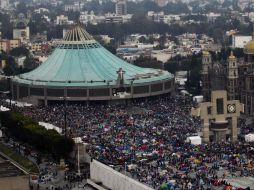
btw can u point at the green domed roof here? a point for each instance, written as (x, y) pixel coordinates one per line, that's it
(81, 61)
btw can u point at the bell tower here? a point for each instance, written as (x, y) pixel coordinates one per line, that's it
(232, 78)
(205, 76)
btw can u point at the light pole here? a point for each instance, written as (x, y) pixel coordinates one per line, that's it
(8, 84)
(78, 142)
(78, 161)
(65, 113)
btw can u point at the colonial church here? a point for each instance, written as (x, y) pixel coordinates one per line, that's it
(236, 76)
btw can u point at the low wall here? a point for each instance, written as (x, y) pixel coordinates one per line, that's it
(113, 179)
(14, 183)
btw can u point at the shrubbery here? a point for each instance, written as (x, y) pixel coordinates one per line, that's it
(27, 130)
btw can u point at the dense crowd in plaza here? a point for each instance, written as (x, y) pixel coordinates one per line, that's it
(146, 140)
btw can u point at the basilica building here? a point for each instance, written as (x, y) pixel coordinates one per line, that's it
(236, 76)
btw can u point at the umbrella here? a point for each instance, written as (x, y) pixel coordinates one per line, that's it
(163, 172)
(164, 186)
(144, 147)
(132, 167)
(197, 161)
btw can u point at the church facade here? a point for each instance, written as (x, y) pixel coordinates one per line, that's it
(236, 77)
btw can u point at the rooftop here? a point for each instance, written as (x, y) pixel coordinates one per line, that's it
(79, 60)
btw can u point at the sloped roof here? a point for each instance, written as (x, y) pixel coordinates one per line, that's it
(81, 61)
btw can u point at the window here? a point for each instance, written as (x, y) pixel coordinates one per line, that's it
(211, 120)
(209, 110)
(220, 105)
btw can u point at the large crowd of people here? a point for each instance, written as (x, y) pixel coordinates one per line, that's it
(146, 140)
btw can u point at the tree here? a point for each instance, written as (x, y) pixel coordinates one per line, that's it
(142, 7)
(21, 8)
(172, 66)
(10, 66)
(73, 15)
(29, 63)
(35, 27)
(8, 70)
(193, 65)
(109, 46)
(29, 131)
(16, 52)
(7, 27)
(176, 8)
(142, 39)
(148, 63)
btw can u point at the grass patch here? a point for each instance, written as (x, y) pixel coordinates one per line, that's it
(24, 162)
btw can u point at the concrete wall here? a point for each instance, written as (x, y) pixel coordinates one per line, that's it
(113, 179)
(14, 183)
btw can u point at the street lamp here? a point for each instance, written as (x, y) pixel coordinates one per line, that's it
(8, 84)
(65, 113)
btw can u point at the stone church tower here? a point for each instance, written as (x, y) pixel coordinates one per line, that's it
(205, 75)
(232, 78)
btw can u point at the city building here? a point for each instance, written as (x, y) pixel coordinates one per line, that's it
(41, 10)
(4, 4)
(2, 64)
(21, 29)
(161, 17)
(77, 6)
(236, 77)
(8, 45)
(80, 69)
(5, 45)
(23, 34)
(156, 17)
(36, 47)
(121, 7)
(62, 20)
(240, 41)
(161, 3)
(39, 37)
(86, 17)
(211, 17)
(91, 18)
(106, 38)
(40, 47)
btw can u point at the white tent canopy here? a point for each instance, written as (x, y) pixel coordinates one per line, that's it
(198, 99)
(50, 126)
(195, 140)
(18, 104)
(2, 108)
(77, 140)
(184, 92)
(249, 137)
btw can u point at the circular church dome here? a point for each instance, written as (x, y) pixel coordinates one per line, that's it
(83, 69)
(249, 47)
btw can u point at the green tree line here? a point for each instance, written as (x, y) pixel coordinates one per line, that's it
(27, 130)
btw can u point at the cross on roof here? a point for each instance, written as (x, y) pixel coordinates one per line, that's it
(120, 73)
